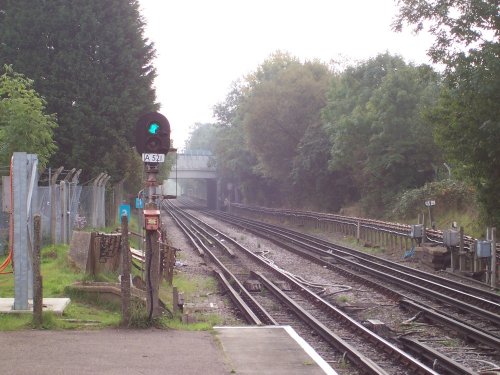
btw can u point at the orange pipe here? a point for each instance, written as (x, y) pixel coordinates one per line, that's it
(8, 261)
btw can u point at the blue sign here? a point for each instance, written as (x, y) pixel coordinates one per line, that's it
(139, 203)
(124, 210)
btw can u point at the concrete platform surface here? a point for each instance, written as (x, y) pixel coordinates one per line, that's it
(228, 350)
(270, 350)
(110, 352)
(57, 305)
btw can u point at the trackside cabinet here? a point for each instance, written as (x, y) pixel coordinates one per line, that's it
(483, 249)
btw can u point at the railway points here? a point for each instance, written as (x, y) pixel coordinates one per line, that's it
(490, 338)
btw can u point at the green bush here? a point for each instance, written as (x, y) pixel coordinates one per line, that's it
(448, 194)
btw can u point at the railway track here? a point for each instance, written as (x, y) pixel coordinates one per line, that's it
(477, 301)
(467, 327)
(316, 297)
(433, 235)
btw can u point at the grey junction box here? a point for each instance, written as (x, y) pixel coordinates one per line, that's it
(417, 231)
(483, 249)
(451, 237)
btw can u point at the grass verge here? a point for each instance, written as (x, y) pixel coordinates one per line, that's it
(57, 274)
(88, 311)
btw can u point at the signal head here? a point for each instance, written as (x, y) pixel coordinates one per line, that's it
(152, 134)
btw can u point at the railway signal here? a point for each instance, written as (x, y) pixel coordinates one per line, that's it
(152, 141)
(152, 134)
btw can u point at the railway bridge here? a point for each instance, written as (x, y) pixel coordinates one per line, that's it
(194, 173)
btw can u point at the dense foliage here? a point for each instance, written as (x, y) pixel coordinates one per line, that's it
(450, 194)
(297, 134)
(467, 118)
(202, 137)
(24, 124)
(378, 133)
(263, 121)
(90, 61)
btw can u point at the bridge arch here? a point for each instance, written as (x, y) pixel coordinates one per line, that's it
(199, 168)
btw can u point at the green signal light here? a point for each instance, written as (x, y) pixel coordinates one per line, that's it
(153, 128)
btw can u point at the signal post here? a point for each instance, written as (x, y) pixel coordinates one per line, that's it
(153, 143)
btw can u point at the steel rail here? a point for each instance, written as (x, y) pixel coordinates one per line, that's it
(260, 229)
(360, 360)
(440, 361)
(403, 229)
(416, 366)
(248, 313)
(413, 364)
(263, 315)
(461, 327)
(453, 323)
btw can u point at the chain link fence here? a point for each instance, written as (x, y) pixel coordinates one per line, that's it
(64, 206)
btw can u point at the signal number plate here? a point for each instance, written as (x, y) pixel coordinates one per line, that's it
(153, 158)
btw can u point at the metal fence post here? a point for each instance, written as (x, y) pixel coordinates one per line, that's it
(53, 205)
(493, 279)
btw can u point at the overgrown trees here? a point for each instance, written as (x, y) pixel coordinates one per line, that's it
(24, 124)
(378, 134)
(202, 137)
(263, 120)
(467, 117)
(290, 142)
(235, 162)
(91, 62)
(284, 98)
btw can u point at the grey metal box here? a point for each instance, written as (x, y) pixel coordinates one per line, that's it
(483, 249)
(417, 231)
(451, 237)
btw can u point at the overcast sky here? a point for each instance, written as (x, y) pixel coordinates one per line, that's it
(203, 46)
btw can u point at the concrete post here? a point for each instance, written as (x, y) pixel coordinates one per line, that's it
(102, 200)
(20, 240)
(95, 196)
(66, 206)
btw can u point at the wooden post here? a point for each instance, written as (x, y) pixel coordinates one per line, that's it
(358, 231)
(152, 273)
(125, 280)
(175, 300)
(37, 277)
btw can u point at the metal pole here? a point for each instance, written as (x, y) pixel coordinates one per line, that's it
(493, 257)
(53, 205)
(461, 252)
(152, 265)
